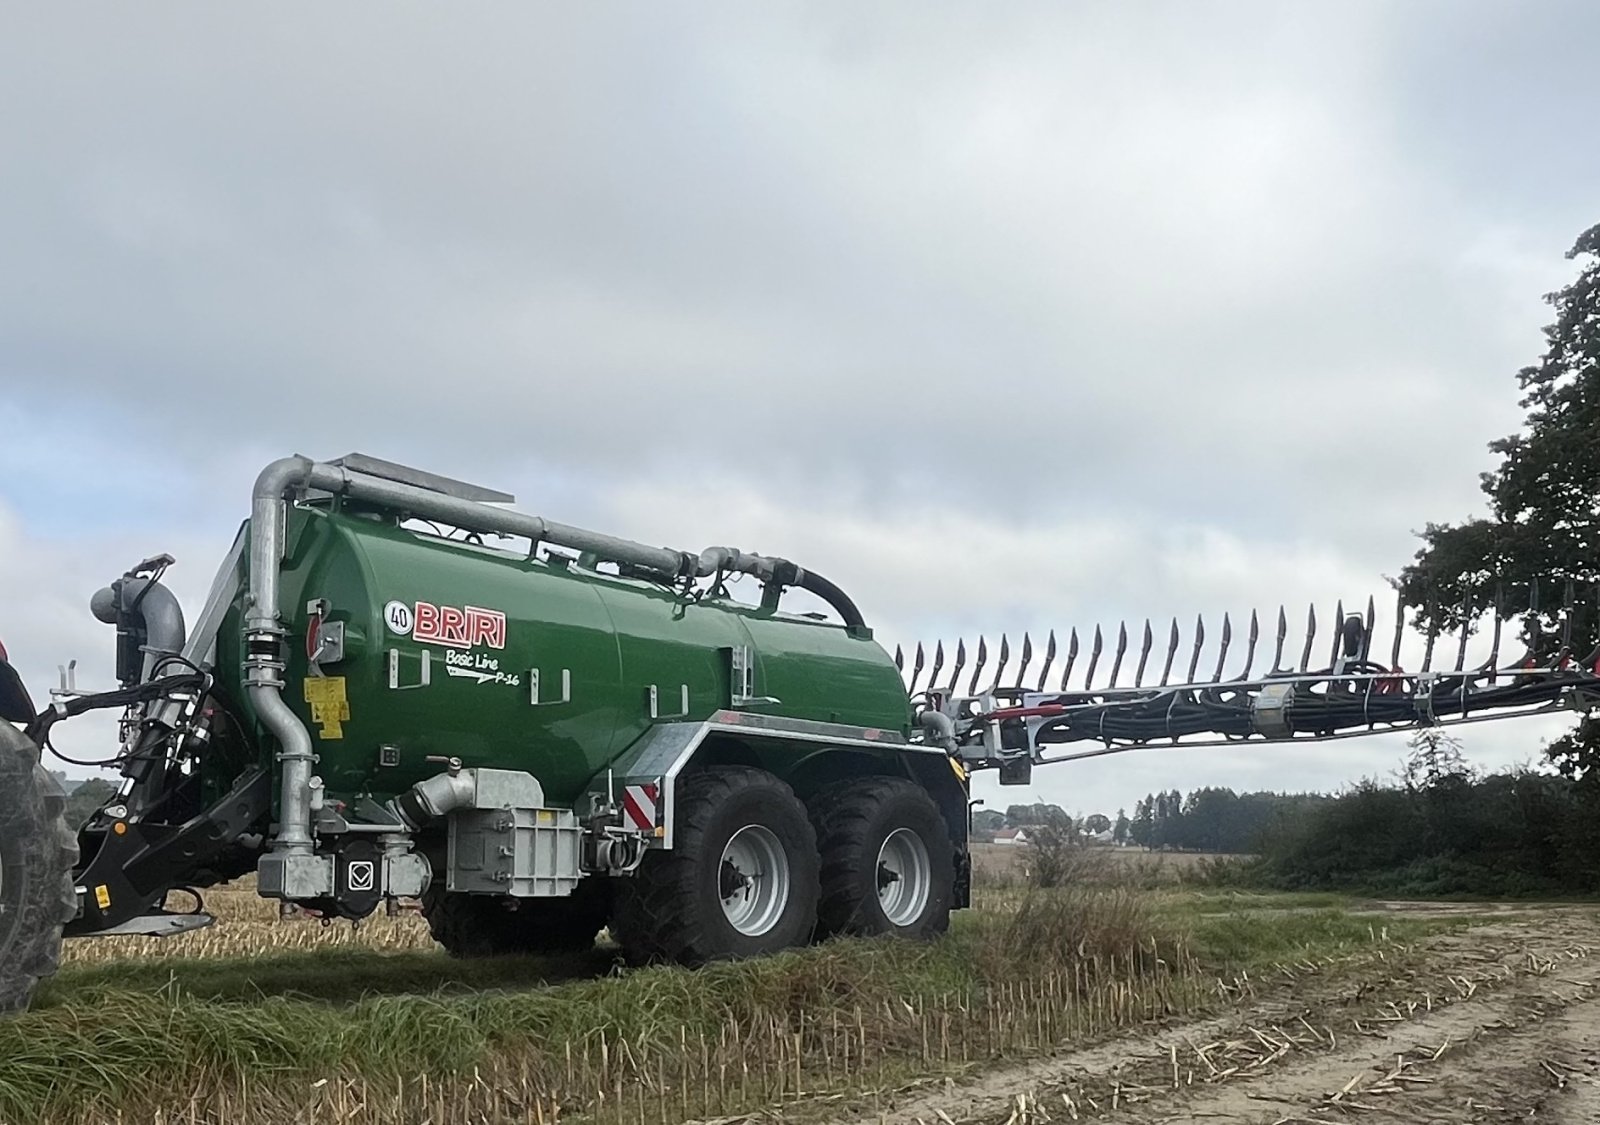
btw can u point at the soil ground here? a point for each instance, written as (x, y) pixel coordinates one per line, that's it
(1495, 1023)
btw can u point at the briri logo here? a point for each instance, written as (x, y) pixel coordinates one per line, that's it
(464, 627)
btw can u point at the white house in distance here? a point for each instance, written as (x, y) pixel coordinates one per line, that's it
(1011, 837)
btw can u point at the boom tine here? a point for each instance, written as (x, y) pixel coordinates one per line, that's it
(1005, 655)
(1199, 643)
(1592, 661)
(1094, 658)
(1461, 645)
(1311, 636)
(1072, 657)
(1371, 623)
(1222, 653)
(1027, 655)
(1144, 654)
(1172, 650)
(961, 660)
(1399, 631)
(916, 668)
(1433, 635)
(1566, 622)
(1493, 664)
(977, 667)
(1338, 632)
(938, 665)
(1049, 658)
(899, 659)
(1122, 647)
(1534, 626)
(1250, 645)
(1283, 635)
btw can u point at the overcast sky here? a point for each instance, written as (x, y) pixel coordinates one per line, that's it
(1004, 317)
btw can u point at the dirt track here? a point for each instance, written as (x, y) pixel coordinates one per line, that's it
(1497, 1023)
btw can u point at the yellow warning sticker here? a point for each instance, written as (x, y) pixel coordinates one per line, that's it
(102, 897)
(329, 707)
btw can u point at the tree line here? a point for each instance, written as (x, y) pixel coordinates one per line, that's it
(1213, 819)
(1442, 829)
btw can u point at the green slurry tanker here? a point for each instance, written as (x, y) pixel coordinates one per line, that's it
(399, 687)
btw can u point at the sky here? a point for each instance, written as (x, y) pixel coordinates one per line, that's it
(1005, 318)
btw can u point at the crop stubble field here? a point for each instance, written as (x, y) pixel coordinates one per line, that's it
(1160, 1002)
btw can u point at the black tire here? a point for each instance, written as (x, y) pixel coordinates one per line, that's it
(473, 926)
(37, 853)
(853, 820)
(672, 908)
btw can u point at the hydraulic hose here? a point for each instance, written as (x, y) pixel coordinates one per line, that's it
(837, 598)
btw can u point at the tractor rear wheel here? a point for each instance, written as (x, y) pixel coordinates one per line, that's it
(887, 863)
(37, 853)
(740, 880)
(471, 926)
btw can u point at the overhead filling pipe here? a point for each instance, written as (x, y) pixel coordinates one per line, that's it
(264, 633)
(470, 515)
(155, 608)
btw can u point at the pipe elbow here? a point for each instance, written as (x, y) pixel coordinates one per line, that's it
(165, 631)
(435, 797)
(940, 728)
(275, 481)
(156, 610)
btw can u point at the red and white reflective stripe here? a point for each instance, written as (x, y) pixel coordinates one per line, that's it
(639, 805)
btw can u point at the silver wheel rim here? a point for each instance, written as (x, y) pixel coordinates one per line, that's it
(905, 877)
(753, 880)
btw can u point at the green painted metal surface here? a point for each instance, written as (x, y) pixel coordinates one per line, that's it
(482, 620)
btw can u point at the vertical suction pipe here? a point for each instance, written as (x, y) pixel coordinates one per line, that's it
(263, 646)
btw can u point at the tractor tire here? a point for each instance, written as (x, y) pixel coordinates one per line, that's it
(888, 866)
(474, 926)
(740, 880)
(38, 851)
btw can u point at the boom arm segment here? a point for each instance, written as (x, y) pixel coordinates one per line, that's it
(1013, 725)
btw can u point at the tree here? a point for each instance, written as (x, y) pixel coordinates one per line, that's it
(988, 821)
(1545, 505)
(1144, 822)
(1434, 761)
(1096, 823)
(1119, 833)
(1028, 816)
(87, 798)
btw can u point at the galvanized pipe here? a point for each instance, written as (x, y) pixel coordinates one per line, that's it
(470, 515)
(263, 644)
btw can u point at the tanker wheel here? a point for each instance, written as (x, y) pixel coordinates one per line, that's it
(471, 926)
(740, 880)
(887, 863)
(37, 853)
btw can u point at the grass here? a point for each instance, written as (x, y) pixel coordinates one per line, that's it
(138, 1035)
(323, 1023)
